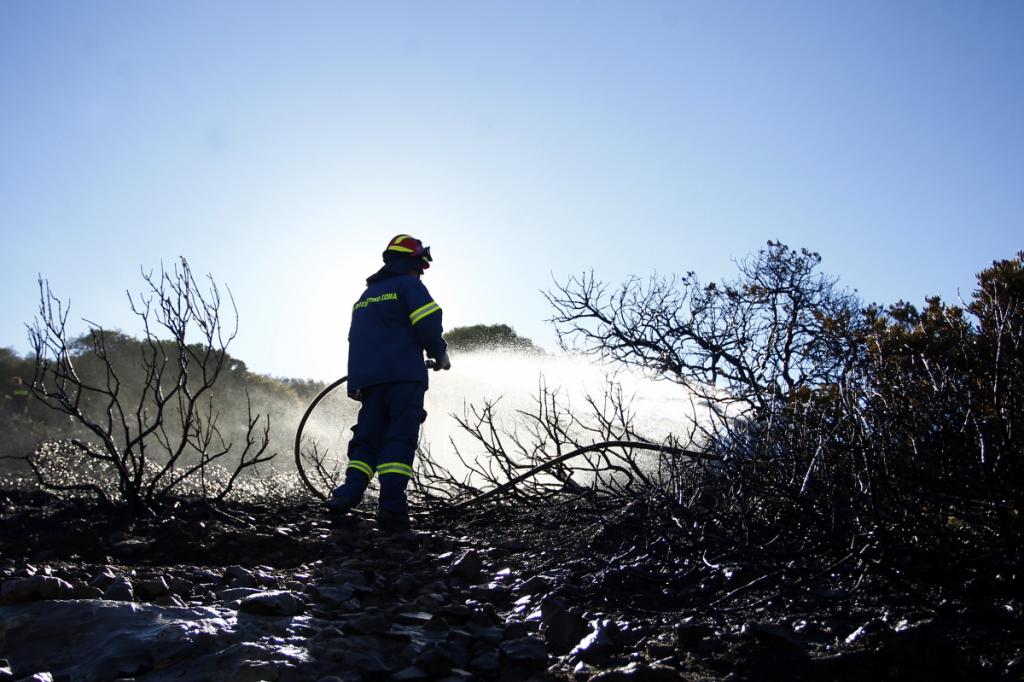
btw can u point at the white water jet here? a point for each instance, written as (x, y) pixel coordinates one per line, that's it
(661, 409)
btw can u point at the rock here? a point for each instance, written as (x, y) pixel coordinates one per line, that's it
(38, 677)
(639, 672)
(237, 593)
(629, 635)
(436, 624)
(485, 617)
(206, 576)
(238, 576)
(486, 662)
(691, 635)
(410, 673)
(371, 622)
(596, 647)
(529, 652)
(84, 591)
(582, 671)
(369, 663)
(515, 629)
(271, 603)
(491, 594)
(153, 587)
(120, 589)
(563, 630)
(456, 614)
(427, 603)
(35, 588)
(458, 646)
(406, 584)
(414, 618)
(333, 596)
(551, 605)
(170, 600)
(106, 640)
(489, 634)
(434, 660)
(538, 584)
(348, 576)
(523, 603)
(103, 579)
(26, 571)
(267, 579)
(181, 587)
(468, 566)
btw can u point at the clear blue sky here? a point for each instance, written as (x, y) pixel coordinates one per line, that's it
(280, 145)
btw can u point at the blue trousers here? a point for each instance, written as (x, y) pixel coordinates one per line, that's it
(384, 441)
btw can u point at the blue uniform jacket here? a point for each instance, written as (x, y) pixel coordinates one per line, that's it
(393, 323)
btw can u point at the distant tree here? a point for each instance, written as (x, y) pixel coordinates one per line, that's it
(305, 389)
(489, 336)
(11, 364)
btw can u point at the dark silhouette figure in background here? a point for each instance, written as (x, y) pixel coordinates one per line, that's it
(19, 397)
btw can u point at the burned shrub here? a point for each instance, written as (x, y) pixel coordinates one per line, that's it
(941, 415)
(142, 408)
(884, 441)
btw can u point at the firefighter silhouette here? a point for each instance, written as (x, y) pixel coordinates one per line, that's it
(19, 396)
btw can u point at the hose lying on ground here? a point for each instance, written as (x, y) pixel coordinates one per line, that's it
(298, 436)
(504, 487)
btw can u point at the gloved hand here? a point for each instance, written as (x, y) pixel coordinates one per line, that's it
(442, 362)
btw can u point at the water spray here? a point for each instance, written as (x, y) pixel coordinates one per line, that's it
(508, 485)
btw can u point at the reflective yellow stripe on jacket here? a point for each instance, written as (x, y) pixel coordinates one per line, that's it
(424, 310)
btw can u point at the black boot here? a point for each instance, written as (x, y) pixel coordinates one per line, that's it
(393, 522)
(340, 505)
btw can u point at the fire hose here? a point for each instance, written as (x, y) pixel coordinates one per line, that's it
(508, 485)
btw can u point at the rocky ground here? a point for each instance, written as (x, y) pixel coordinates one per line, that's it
(577, 589)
